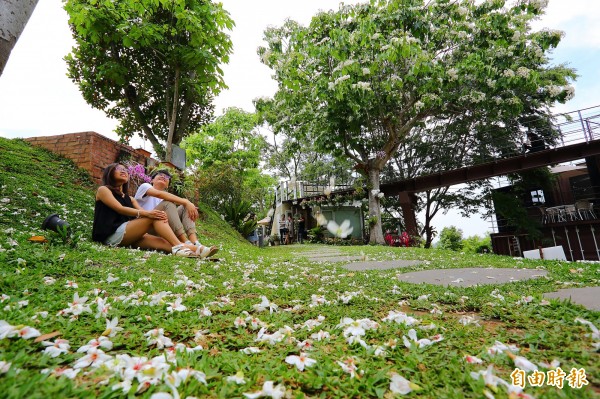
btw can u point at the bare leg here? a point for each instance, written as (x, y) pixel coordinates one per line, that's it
(149, 241)
(137, 229)
(188, 224)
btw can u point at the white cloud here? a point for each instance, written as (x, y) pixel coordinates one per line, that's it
(577, 18)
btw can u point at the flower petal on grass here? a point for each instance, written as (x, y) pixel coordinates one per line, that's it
(401, 385)
(268, 390)
(301, 361)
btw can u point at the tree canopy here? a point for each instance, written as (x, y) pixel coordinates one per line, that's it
(152, 64)
(359, 79)
(225, 157)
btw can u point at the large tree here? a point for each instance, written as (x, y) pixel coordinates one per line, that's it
(152, 64)
(365, 76)
(226, 161)
(14, 15)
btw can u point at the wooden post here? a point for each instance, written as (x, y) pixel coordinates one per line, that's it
(407, 202)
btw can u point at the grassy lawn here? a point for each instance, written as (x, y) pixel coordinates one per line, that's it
(121, 322)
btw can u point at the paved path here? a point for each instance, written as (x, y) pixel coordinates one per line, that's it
(381, 265)
(468, 277)
(589, 297)
(328, 255)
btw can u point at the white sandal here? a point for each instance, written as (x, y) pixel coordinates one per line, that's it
(182, 250)
(213, 250)
(202, 251)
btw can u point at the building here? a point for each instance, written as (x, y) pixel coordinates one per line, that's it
(566, 215)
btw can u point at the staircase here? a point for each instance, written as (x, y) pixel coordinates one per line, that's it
(515, 247)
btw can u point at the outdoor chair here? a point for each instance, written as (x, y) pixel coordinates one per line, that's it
(544, 215)
(551, 215)
(585, 209)
(571, 213)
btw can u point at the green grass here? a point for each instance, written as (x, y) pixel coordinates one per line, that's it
(35, 183)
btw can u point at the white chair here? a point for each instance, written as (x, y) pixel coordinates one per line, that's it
(591, 210)
(551, 214)
(545, 216)
(571, 213)
(585, 209)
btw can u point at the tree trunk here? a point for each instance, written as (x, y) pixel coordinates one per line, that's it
(14, 15)
(173, 121)
(375, 229)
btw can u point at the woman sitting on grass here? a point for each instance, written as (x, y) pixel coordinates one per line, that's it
(120, 221)
(182, 218)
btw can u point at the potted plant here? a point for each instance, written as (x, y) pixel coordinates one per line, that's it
(276, 239)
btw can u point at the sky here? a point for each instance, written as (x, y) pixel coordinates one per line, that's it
(37, 98)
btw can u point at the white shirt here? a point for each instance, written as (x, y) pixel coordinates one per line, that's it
(147, 202)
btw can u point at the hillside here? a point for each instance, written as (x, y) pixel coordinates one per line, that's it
(36, 183)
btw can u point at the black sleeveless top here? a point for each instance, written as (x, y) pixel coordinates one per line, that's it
(106, 220)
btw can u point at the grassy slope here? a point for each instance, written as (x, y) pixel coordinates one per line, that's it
(37, 183)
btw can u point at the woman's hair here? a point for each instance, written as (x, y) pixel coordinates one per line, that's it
(108, 179)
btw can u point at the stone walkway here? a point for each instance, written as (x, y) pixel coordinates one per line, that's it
(381, 265)
(588, 297)
(468, 277)
(329, 255)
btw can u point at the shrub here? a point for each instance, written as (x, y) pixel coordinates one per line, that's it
(451, 238)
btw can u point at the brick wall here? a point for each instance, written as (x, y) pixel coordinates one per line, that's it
(89, 150)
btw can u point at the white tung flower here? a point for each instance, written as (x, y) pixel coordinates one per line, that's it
(176, 306)
(321, 219)
(156, 337)
(401, 385)
(4, 367)
(28, 332)
(268, 389)
(49, 280)
(453, 74)
(341, 231)
(265, 304)
(56, 348)
(238, 378)
(111, 327)
(400, 318)
(301, 361)
(94, 344)
(362, 85)
(349, 366)
(523, 72)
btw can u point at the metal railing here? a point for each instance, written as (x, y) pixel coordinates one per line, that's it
(289, 190)
(579, 126)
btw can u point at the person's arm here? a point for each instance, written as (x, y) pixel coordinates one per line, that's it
(106, 196)
(153, 214)
(189, 207)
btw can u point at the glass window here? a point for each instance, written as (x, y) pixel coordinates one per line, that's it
(537, 197)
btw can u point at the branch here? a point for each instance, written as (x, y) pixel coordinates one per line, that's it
(184, 121)
(349, 154)
(131, 98)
